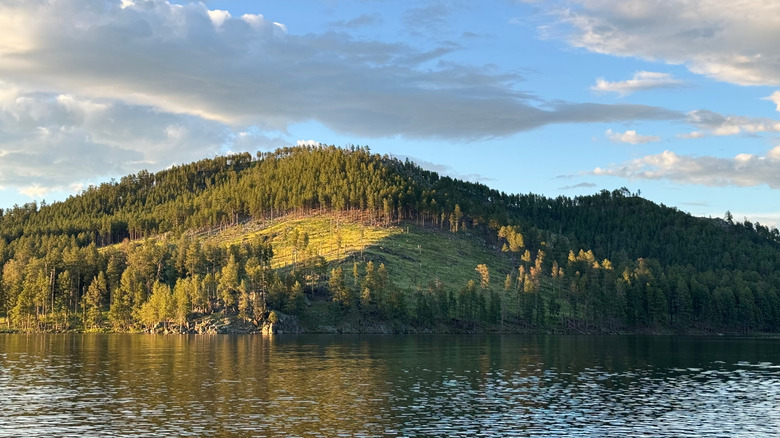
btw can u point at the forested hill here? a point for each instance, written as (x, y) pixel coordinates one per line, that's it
(223, 191)
(612, 259)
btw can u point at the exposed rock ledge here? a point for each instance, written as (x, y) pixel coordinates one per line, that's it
(233, 325)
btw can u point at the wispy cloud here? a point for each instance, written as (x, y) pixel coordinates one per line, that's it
(775, 98)
(696, 204)
(643, 80)
(363, 20)
(428, 19)
(584, 185)
(444, 169)
(693, 134)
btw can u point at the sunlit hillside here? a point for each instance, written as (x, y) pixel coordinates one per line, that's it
(415, 255)
(343, 239)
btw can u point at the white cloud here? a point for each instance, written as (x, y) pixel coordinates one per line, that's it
(775, 97)
(631, 137)
(720, 125)
(743, 170)
(280, 29)
(254, 20)
(643, 80)
(218, 17)
(50, 141)
(34, 191)
(730, 41)
(308, 143)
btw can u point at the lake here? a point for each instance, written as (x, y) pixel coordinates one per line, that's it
(319, 385)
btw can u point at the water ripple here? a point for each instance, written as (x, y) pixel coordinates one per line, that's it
(328, 387)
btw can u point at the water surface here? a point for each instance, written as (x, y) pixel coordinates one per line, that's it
(155, 385)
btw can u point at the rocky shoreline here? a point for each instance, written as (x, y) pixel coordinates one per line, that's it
(280, 324)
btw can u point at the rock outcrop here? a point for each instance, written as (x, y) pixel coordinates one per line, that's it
(283, 324)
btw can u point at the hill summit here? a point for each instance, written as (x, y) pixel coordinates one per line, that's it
(323, 239)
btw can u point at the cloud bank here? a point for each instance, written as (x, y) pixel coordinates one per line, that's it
(720, 125)
(145, 83)
(249, 71)
(743, 170)
(631, 137)
(52, 141)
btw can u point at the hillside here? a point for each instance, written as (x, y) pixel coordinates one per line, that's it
(331, 239)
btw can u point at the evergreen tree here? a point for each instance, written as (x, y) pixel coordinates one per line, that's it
(120, 313)
(93, 300)
(229, 283)
(182, 300)
(159, 309)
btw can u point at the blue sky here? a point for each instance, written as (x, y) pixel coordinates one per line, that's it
(678, 99)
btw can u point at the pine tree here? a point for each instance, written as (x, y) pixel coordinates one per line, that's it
(244, 301)
(93, 300)
(159, 308)
(229, 282)
(120, 313)
(297, 299)
(341, 293)
(182, 300)
(13, 280)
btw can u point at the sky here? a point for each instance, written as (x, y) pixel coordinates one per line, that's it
(677, 100)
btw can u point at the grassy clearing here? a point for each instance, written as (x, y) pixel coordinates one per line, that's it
(331, 239)
(420, 256)
(414, 256)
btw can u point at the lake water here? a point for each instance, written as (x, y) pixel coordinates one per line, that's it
(156, 385)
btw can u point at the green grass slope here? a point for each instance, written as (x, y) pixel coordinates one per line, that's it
(415, 255)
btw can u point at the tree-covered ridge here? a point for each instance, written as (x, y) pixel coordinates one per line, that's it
(135, 253)
(621, 226)
(224, 190)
